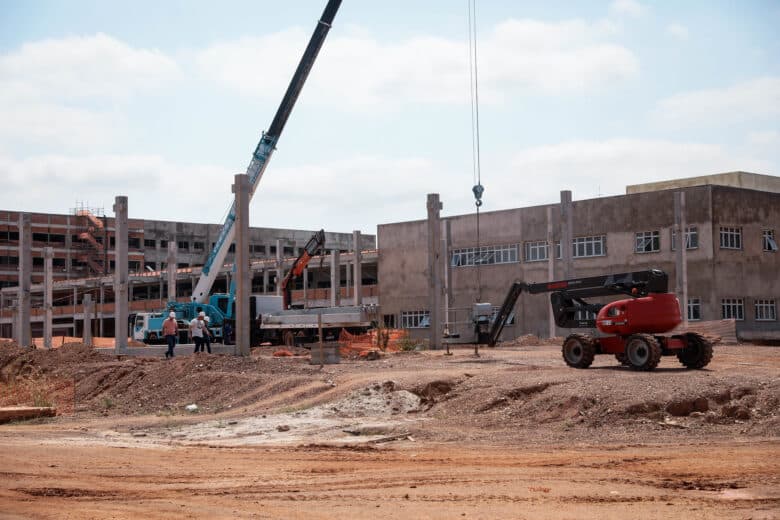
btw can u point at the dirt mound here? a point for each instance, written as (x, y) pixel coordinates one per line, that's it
(530, 340)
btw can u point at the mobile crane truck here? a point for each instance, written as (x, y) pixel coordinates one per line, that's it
(220, 307)
(634, 325)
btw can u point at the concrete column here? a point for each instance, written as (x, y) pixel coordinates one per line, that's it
(567, 234)
(305, 275)
(24, 336)
(48, 290)
(358, 268)
(550, 269)
(243, 278)
(279, 267)
(120, 275)
(265, 281)
(335, 278)
(434, 269)
(681, 258)
(172, 261)
(347, 277)
(101, 329)
(446, 240)
(87, 310)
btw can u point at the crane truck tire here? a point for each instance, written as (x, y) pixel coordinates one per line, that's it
(697, 354)
(579, 350)
(643, 352)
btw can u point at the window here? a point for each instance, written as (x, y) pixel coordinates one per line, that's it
(133, 265)
(694, 309)
(504, 254)
(415, 319)
(288, 251)
(197, 246)
(647, 242)
(770, 244)
(584, 315)
(535, 251)
(730, 238)
(588, 246)
(148, 242)
(40, 237)
(149, 266)
(182, 265)
(9, 260)
(57, 239)
(691, 238)
(134, 243)
(273, 250)
(58, 262)
(183, 245)
(732, 308)
(766, 310)
(257, 249)
(163, 243)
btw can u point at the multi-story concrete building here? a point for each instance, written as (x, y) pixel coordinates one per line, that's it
(731, 240)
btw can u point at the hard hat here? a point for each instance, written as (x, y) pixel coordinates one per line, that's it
(206, 318)
(171, 314)
(201, 314)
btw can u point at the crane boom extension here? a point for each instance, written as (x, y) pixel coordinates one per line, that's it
(264, 150)
(567, 296)
(315, 243)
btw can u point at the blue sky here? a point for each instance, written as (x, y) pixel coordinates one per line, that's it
(164, 102)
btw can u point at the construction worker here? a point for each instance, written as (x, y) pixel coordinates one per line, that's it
(206, 335)
(196, 331)
(170, 329)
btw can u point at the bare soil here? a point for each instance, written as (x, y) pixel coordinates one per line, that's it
(513, 433)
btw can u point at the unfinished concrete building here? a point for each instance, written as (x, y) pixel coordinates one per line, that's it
(733, 263)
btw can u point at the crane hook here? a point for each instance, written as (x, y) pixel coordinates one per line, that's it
(478, 190)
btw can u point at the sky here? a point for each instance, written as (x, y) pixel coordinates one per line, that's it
(164, 102)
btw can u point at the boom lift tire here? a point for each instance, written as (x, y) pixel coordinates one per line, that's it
(622, 358)
(643, 352)
(697, 354)
(578, 350)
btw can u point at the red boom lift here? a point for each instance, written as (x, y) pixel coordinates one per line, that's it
(634, 323)
(315, 244)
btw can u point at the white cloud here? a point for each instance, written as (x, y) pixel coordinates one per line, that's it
(82, 67)
(361, 71)
(590, 168)
(677, 30)
(766, 138)
(756, 99)
(627, 8)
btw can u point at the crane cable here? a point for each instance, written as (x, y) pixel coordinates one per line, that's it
(478, 189)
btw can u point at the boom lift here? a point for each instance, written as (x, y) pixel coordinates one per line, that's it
(316, 243)
(635, 323)
(220, 307)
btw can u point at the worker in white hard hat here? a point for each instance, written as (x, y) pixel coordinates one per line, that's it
(170, 329)
(197, 326)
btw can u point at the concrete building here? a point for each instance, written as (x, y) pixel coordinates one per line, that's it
(82, 265)
(731, 239)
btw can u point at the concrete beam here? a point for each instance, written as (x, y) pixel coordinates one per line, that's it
(24, 334)
(120, 274)
(243, 279)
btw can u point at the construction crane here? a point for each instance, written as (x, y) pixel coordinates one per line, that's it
(220, 307)
(263, 152)
(635, 324)
(314, 245)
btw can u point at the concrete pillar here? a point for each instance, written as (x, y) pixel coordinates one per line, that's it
(87, 310)
(265, 281)
(172, 263)
(434, 269)
(446, 240)
(101, 330)
(24, 335)
(279, 268)
(120, 275)
(335, 278)
(347, 277)
(243, 278)
(358, 268)
(305, 275)
(550, 269)
(681, 257)
(48, 290)
(567, 234)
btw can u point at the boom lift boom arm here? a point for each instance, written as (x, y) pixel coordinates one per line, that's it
(315, 244)
(264, 150)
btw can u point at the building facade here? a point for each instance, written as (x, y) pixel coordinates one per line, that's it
(731, 240)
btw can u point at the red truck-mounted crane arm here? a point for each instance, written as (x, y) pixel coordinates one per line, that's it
(316, 243)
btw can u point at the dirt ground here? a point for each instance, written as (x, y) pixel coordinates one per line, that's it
(513, 433)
